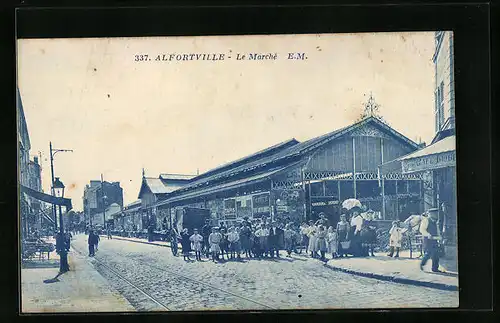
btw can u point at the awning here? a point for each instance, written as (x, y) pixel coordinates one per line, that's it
(46, 198)
(441, 154)
(226, 186)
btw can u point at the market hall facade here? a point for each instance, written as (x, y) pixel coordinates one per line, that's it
(298, 180)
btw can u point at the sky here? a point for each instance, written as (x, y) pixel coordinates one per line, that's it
(119, 115)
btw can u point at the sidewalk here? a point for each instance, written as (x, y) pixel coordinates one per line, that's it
(82, 289)
(145, 241)
(401, 270)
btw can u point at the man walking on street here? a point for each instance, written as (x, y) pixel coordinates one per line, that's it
(430, 232)
(108, 233)
(91, 242)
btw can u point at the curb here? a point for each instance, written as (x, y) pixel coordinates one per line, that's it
(394, 279)
(145, 242)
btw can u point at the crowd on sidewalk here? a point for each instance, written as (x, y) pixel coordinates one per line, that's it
(354, 235)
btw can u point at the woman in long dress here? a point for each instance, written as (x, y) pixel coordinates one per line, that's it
(186, 244)
(311, 234)
(245, 239)
(343, 229)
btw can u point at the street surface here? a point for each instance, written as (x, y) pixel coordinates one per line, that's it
(152, 279)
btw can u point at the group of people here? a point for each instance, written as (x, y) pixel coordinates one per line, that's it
(265, 239)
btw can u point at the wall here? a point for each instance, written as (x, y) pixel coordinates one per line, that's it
(444, 74)
(338, 155)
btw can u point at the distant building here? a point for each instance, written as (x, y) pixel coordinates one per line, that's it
(33, 212)
(156, 189)
(444, 93)
(99, 197)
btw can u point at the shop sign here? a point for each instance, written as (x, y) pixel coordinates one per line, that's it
(324, 203)
(261, 204)
(447, 159)
(230, 207)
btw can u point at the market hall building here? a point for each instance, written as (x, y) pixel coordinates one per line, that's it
(298, 180)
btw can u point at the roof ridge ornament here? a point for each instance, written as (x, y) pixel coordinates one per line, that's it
(372, 109)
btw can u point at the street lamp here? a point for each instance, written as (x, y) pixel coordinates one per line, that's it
(53, 152)
(58, 189)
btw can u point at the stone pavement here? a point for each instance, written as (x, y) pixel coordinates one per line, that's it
(401, 270)
(82, 289)
(285, 283)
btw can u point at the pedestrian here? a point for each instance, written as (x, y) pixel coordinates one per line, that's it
(96, 240)
(205, 232)
(108, 232)
(356, 227)
(321, 242)
(185, 243)
(259, 240)
(224, 244)
(311, 233)
(197, 241)
(289, 236)
(332, 242)
(214, 240)
(234, 243)
(304, 228)
(343, 229)
(91, 242)
(275, 236)
(245, 239)
(430, 232)
(396, 235)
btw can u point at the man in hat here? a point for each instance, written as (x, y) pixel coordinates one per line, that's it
(430, 232)
(205, 232)
(275, 237)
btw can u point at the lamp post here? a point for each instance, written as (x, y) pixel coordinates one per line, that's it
(58, 189)
(53, 152)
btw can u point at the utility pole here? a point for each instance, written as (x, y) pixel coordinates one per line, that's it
(103, 203)
(53, 152)
(52, 185)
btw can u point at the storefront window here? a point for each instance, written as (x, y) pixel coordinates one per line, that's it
(390, 187)
(367, 189)
(332, 188)
(414, 187)
(317, 189)
(402, 187)
(346, 190)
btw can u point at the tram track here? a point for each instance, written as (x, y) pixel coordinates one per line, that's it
(224, 299)
(141, 291)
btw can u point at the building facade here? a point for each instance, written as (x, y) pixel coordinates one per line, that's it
(298, 180)
(154, 190)
(98, 197)
(436, 163)
(34, 213)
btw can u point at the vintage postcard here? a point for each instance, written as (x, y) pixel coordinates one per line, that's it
(263, 172)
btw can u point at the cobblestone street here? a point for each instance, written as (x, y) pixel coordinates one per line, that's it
(152, 279)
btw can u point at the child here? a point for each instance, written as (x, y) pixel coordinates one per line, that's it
(321, 241)
(214, 239)
(395, 239)
(234, 243)
(196, 239)
(332, 242)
